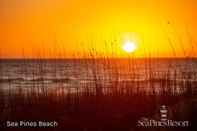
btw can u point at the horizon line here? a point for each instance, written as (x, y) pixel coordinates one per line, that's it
(72, 58)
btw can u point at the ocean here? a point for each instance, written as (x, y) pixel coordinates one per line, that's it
(78, 74)
(98, 94)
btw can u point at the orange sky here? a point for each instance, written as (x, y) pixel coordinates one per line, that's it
(62, 28)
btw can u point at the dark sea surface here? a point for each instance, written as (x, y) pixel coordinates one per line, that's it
(79, 73)
(98, 94)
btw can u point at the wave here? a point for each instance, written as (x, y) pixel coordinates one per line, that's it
(50, 80)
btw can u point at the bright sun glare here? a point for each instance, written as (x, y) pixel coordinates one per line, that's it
(129, 47)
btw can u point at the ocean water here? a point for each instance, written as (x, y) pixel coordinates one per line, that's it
(77, 74)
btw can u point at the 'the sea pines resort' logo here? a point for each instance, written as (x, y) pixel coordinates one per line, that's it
(163, 122)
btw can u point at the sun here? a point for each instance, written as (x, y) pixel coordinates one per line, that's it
(129, 47)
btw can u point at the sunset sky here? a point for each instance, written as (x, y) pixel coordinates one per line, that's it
(74, 28)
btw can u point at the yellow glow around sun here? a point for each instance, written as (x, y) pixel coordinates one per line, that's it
(129, 47)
